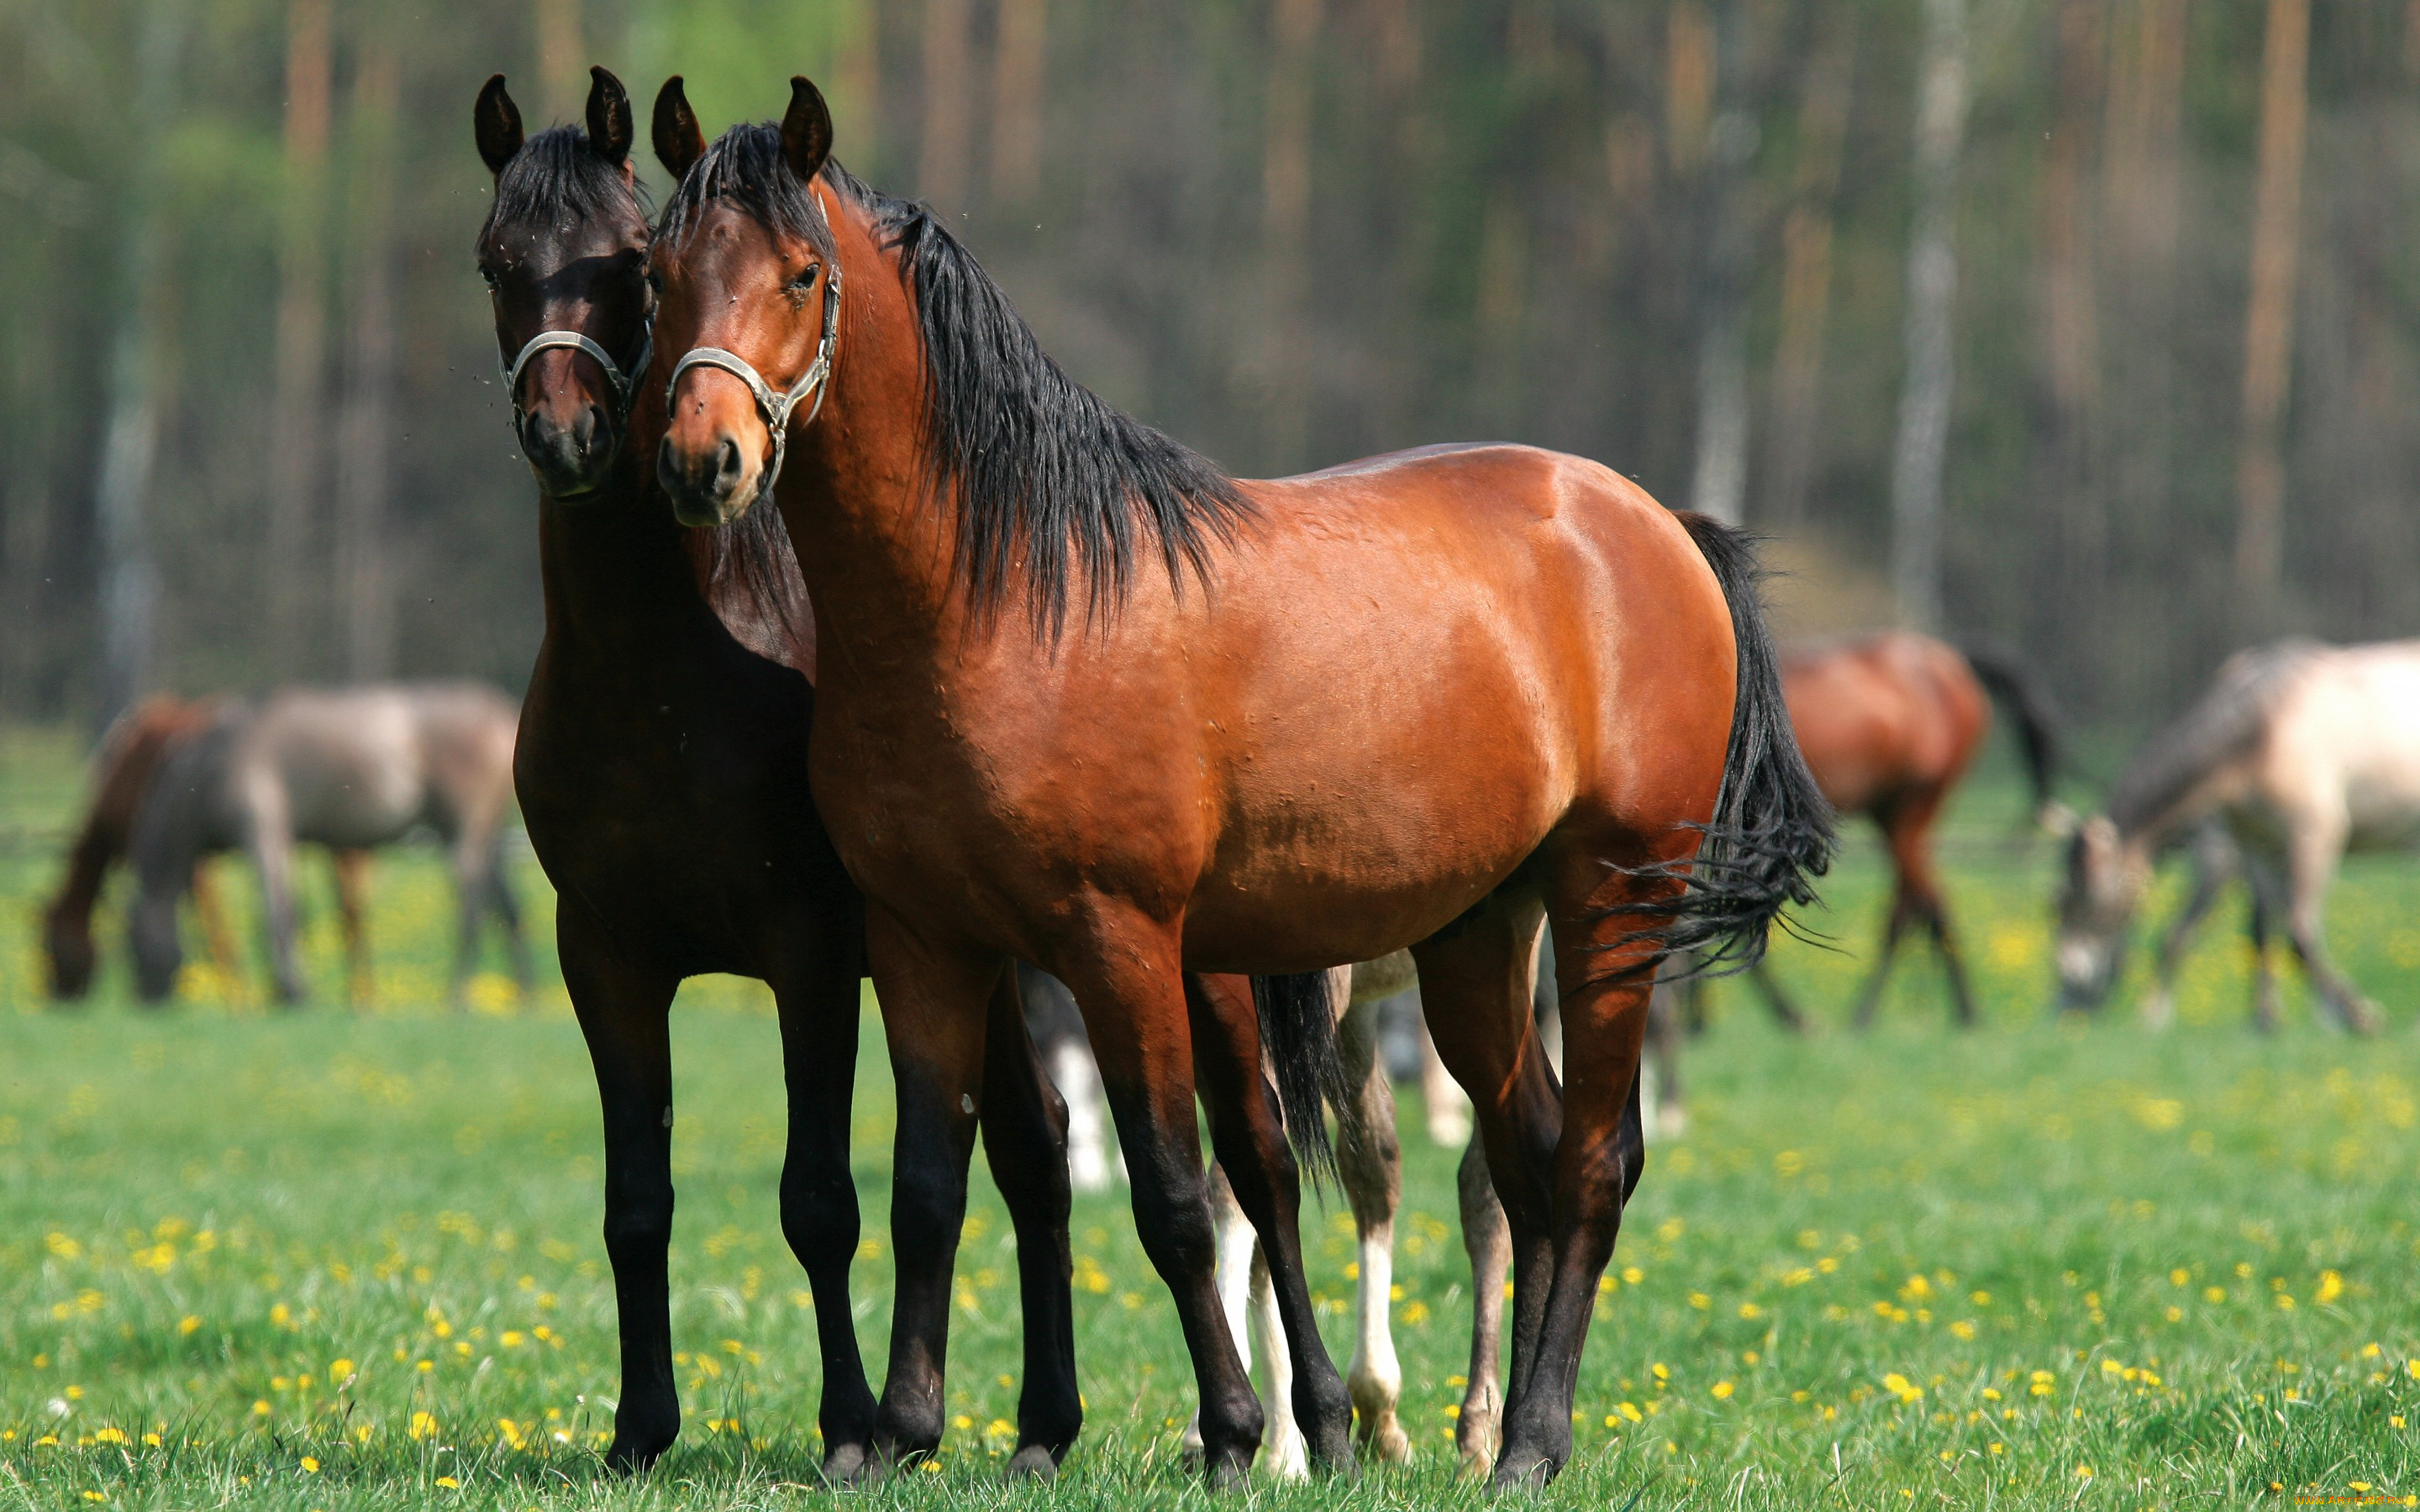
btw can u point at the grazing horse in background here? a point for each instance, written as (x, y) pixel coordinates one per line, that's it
(2303, 751)
(1888, 723)
(667, 715)
(130, 756)
(347, 769)
(1170, 784)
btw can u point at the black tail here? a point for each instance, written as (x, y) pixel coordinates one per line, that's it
(1771, 830)
(1298, 1037)
(2008, 680)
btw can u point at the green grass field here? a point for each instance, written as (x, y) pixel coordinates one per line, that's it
(331, 1259)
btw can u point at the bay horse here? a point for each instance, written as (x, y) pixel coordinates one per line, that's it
(668, 708)
(1220, 766)
(1890, 722)
(129, 757)
(350, 768)
(2303, 751)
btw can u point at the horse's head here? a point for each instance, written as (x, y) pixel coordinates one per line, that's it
(751, 289)
(67, 940)
(2105, 879)
(565, 255)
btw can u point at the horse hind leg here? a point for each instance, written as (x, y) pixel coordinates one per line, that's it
(352, 888)
(1370, 1160)
(1445, 1105)
(2311, 867)
(1477, 1431)
(1475, 987)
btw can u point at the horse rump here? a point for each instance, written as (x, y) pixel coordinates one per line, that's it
(1771, 834)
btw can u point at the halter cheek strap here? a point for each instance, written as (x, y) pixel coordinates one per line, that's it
(625, 382)
(774, 406)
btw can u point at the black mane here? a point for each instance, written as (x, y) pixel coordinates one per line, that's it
(1051, 480)
(557, 171)
(2226, 720)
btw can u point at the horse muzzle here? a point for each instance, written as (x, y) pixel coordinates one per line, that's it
(709, 483)
(571, 460)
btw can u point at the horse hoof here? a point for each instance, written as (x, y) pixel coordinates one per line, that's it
(630, 1454)
(1522, 1470)
(847, 1465)
(1227, 1469)
(1034, 1463)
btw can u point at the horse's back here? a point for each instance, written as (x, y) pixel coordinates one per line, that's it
(2347, 730)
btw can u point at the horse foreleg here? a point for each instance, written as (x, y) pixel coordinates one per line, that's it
(1944, 944)
(623, 1010)
(1250, 1305)
(1370, 1160)
(352, 891)
(2264, 966)
(2160, 1008)
(1025, 1142)
(211, 910)
(815, 1001)
(936, 1011)
(1489, 1244)
(1250, 1136)
(509, 918)
(272, 854)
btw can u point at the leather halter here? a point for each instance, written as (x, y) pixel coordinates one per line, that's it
(775, 407)
(625, 383)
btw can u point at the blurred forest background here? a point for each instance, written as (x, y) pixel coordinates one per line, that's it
(2088, 326)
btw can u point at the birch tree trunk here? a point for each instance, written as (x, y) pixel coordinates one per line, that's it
(130, 582)
(1718, 483)
(1807, 271)
(295, 450)
(366, 458)
(949, 113)
(2269, 315)
(1922, 453)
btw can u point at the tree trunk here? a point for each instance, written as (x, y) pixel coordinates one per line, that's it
(949, 113)
(1718, 486)
(1017, 134)
(129, 583)
(1285, 214)
(1922, 453)
(2064, 468)
(294, 474)
(1807, 271)
(562, 68)
(2269, 314)
(365, 460)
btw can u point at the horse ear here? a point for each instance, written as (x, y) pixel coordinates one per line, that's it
(497, 123)
(609, 128)
(679, 141)
(806, 130)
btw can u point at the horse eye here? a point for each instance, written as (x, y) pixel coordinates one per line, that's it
(489, 274)
(655, 281)
(806, 279)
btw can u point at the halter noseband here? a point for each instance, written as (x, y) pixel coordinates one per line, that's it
(625, 383)
(775, 408)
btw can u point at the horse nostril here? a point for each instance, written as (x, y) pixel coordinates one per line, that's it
(726, 458)
(586, 429)
(668, 471)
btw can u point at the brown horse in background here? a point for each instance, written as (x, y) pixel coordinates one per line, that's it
(1417, 701)
(130, 756)
(1888, 723)
(661, 745)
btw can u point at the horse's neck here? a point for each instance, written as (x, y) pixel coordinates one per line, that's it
(617, 575)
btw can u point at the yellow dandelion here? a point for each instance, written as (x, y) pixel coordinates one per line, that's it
(1723, 1391)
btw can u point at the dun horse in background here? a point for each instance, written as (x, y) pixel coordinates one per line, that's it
(1173, 782)
(1888, 724)
(668, 710)
(347, 769)
(129, 758)
(2303, 752)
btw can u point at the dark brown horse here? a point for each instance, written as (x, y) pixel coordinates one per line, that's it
(1888, 724)
(130, 756)
(657, 770)
(1415, 700)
